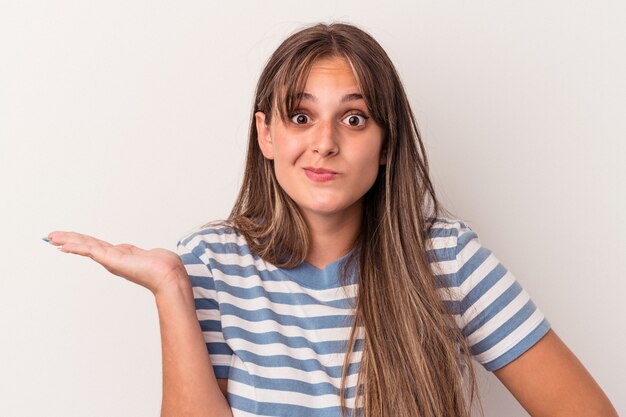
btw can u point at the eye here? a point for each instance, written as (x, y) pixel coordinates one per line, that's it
(300, 118)
(354, 118)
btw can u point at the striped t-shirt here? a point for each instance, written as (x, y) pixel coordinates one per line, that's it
(279, 335)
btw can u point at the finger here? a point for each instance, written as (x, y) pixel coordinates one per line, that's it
(73, 237)
(79, 249)
(62, 238)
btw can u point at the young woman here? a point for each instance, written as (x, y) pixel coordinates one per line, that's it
(338, 282)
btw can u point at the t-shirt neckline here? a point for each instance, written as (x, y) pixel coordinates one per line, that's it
(312, 277)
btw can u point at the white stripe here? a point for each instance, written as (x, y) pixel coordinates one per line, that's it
(286, 286)
(220, 360)
(206, 314)
(443, 242)
(284, 397)
(310, 377)
(238, 260)
(311, 311)
(446, 267)
(202, 293)
(197, 270)
(301, 353)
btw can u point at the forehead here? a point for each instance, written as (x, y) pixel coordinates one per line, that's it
(334, 70)
(332, 63)
(327, 76)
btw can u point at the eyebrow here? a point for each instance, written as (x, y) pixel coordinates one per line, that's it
(345, 99)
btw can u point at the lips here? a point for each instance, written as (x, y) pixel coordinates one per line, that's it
(320, 174)
(320, 170)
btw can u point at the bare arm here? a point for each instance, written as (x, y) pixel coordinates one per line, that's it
(190, 387)
(549, 381)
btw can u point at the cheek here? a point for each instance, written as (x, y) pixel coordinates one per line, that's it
(369, 158)
(287, 151)
(370, 167)
(370, 175)
(286, 155)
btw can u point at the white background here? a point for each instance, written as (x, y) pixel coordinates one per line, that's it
(128, 120)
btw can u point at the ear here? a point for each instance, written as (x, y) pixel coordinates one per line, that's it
(383, 156)
(263, 135)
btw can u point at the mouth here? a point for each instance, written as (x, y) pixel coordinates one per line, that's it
(320, 170)
(320, 174)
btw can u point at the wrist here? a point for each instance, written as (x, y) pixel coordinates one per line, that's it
(176, 286)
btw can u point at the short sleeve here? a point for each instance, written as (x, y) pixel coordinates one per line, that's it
(190, 250)
(497, 316)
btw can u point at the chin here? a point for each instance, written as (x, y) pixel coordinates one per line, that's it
(328, 208)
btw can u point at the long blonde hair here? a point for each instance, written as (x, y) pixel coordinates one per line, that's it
(414, 355)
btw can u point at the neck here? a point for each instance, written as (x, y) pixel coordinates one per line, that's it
(332, 236)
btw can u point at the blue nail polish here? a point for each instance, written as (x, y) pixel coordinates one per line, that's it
(46, 239)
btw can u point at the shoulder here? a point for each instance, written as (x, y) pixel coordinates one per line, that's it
(450, 241)
(447, 227)
(447, 236)
(218, 231)
(212, 238)
(217, 244)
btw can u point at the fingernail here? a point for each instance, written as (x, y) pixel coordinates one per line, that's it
(46, 239)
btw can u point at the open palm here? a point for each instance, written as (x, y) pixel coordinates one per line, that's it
(154, 269)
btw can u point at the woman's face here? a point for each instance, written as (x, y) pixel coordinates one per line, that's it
(327, 155)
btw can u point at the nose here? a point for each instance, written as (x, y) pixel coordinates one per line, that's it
(324, 141)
